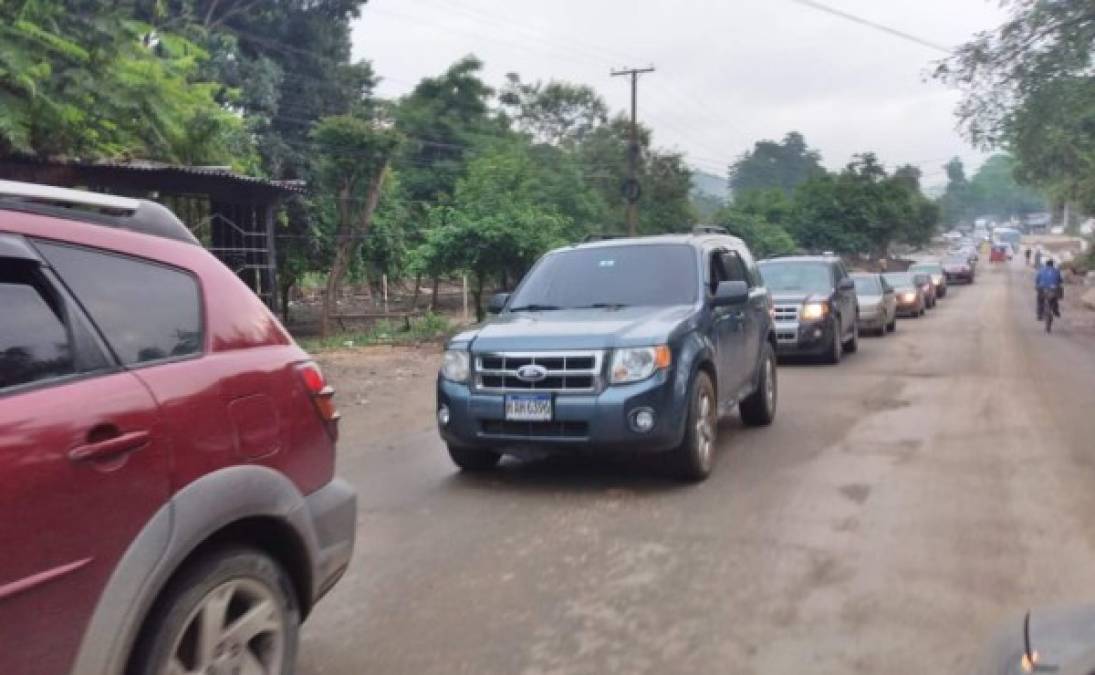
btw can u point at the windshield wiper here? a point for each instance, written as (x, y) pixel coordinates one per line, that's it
(603, 305)
(534, 308)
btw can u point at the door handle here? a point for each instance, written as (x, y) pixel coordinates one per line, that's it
(109, 448)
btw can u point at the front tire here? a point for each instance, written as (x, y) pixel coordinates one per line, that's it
(836, 346)
(696, 454)
(473, 459)
(852, 345)
(759, 408)
(231, 610)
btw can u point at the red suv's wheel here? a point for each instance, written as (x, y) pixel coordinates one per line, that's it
(232, 611)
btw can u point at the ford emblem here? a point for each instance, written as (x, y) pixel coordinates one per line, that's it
(532, 373)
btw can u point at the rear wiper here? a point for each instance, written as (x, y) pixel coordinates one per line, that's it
(534, 308)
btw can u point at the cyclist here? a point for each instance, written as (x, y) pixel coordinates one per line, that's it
(1049, 285)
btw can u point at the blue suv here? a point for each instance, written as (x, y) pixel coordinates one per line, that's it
(626, 345)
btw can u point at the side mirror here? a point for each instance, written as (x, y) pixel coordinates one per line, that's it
(730, 293)
(888, 290)
(497, 303)
(846, 284)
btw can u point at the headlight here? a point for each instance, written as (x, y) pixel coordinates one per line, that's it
(908, 297)
(814, 310)
(937, 279)
(456, 365)
(632, 365)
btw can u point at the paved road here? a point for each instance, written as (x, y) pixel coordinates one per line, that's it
(903, 504)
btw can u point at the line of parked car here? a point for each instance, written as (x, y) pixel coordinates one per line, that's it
(640, 345)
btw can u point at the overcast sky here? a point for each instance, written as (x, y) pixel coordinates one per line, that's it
(729, 72)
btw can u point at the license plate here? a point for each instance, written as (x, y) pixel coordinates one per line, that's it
(528, 407)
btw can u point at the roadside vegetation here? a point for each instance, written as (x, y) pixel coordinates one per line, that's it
(461, 178)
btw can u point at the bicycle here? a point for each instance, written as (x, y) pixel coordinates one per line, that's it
(1049, 305)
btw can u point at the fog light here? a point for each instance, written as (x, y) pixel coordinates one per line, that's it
(642, 420)
(817, 333)
(443, 415)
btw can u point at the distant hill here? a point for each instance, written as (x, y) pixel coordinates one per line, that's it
(709, 184)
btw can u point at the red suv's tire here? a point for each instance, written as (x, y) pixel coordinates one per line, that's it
(261, 617)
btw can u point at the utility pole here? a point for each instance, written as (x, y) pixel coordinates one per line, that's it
(631, 189)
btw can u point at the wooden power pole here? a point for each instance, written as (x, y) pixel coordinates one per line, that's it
(631, 189)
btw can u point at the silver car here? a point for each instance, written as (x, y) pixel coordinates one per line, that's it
(877, 303)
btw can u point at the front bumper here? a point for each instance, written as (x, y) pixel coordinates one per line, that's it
(333, 512)
(910, 308)
(582, 422)
(803, 337)
(872, 320)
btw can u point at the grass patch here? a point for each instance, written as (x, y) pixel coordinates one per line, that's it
(384, 332)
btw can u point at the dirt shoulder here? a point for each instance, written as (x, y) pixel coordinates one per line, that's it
(383, 391)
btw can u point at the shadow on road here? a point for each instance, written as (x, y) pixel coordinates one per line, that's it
(589, 472)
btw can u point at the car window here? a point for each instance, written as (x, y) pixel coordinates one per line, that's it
(146, 311)
(867, 285)
(899, 279)
(735, 268)
(644, 274)
(35, 344)
(716, 271)
(811, 277)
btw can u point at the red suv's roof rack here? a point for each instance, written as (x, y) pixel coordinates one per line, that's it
(138, 215)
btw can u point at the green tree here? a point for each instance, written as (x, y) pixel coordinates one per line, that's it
(956, 203)
(666, 181)
(353, 158)
(85, 79)
(558, 113)
(783, 165)
(497, 224)
(444, 120)
(995, 190)
(1028, 87)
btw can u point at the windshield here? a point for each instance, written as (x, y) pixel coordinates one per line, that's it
(651, 275)
(898, 279)
(930, 268)
(808, 277)
(868, 285)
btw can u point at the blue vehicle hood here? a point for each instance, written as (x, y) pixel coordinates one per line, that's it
(578, 329)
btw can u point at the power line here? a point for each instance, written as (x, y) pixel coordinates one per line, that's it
(872, 24)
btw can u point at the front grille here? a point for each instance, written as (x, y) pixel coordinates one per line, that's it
(535, 429)
(786, 336)
(785, 313)
(567, 372)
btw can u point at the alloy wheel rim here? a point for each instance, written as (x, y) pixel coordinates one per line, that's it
(704, 429)
(769, 385)
(236, 629)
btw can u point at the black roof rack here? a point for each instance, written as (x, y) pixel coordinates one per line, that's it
(710, 229)
(138, 215)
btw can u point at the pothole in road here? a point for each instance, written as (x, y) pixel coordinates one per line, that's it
(857, 492)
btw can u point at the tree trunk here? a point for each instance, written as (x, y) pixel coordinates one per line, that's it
(287, 285)
(477, 295)
(417, 291)
(348, 240)
(433, 296)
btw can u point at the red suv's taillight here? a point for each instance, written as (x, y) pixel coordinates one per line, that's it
(322, 394)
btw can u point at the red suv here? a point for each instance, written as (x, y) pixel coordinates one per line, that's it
(168, 501)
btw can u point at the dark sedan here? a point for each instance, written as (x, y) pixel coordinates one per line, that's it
(958, 268)
(911, 300)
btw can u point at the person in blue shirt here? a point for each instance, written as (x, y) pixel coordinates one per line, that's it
(1048, 282)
